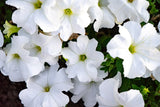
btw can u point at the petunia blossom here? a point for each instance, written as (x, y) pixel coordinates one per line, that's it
(87, 90)
(110, 97)
(45, 89)
(99, 12)
(135, 10)
(46, 47)
(72, 14)
(31, 13)
(82, 59)
(19, 66)
(137, 47)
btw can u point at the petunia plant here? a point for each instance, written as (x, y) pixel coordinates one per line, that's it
(103, 53)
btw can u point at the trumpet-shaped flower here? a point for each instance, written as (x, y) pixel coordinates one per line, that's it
(19, 66)
(135, 10)
(82, 59)
(87, 90)
(137, 47)
(44, 46)
(45, 89)
(99, 11)
(110, 97)
(73, 16)
(31, 13)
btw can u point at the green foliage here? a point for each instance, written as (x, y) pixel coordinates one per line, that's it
(6, 12)
(152, 6)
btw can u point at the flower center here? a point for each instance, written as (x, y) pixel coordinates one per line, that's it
(16, 56)
(68, 11)
(46, 89)
(132, 49)
(130, 1)
(82, 57)
(37, 4)
(99, 3)
(38, 48)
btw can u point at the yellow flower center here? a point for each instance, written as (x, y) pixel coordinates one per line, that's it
(130, 1)
(38, 48)
(82, 57)
(16, 56)
(99, 3)
(132, 49)
(47, 89)
(68, 11)
(37, 4)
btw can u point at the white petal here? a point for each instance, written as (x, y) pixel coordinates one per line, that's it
(90, 97)
(156, 74)
(2, 59)
(71, 56)
(147, 74)
(82, 42)
(60, 81)
(119, 78)
(91, 69)
(82, 73)
(49, 101)
(108, 19)
(108, 92)
(151, 57)
(73, 46)
(134, 29)
(41, 20)
(149, 36)
(76, 27)
(27, 96)
(60, 98)
(83, 19)
(133, 66)
(132, 98)
(118, 46)
(96, 13)
(66, 30)
(1, 39)
(159, 26)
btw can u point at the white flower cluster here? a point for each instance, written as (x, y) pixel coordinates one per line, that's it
(45, 24)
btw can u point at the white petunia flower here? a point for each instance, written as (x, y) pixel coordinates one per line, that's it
(99, 11)
(44, 46)
(135, 10)
(82, 59)
(137, 47)
(72, 14)
(45, 89)
(87, 90)
(31, 13)
(19, 66)
(110, 97)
